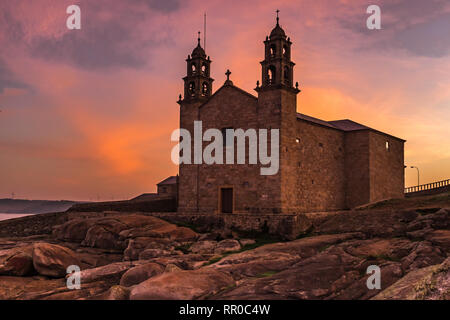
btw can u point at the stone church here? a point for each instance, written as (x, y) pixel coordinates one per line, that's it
(324, 165)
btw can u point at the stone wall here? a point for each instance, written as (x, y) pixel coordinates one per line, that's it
(160, 204)
(229, 108)
(319, 171)
(321, 168)
(357, 185)
(285, 226)
(386, 167)
(187, 187)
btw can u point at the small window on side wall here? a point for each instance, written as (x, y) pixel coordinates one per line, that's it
(387, 146)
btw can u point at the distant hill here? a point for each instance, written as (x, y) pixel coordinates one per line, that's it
(34, 206)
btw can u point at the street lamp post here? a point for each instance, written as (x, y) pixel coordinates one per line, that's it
(418, 179)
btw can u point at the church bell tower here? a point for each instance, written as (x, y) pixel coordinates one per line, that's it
(198, 82)
(277, 109)
(277, 67)
(197, 90)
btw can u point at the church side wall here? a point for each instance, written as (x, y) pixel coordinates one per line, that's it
(319, 168)
(386, 167)
(357, 168)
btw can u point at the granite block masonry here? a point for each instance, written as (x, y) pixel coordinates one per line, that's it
(323, 165)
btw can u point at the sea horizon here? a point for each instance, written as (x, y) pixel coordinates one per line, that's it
(8, 216)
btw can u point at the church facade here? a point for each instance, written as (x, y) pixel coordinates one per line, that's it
(323, 166)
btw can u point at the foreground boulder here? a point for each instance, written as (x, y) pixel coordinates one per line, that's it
(141, 273)
(42, 258)
(184, 285)
(52, 260)
(17, 261)
(112, 272)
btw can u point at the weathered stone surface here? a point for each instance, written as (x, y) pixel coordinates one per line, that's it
(100, 236)
(114, 293)
(393, 249)
(276, 257)
(137, 245)
(14, 288)
(379, 223)
(17, 261)
(423, 254)
(171, 268)
(205, 246)
(141, 273)
(153, 253)
(185, 285)
(326, 264)
(432, 282)
(112, 232)
(441, 238)
(52, 260)
(112, 271)
(246, 242)
(74, 230)
(87, 291)
(228, 245)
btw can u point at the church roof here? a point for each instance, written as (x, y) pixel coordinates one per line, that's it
(229, 84)
(345, 125)
(348, 125)
(169, 180)
(302, 116)
(277, 32)
(198, 52)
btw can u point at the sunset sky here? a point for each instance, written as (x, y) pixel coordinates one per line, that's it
(87, 114)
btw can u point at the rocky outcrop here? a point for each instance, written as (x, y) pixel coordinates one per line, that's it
(135, 256)
(432, 282)
(111, 271)
(42, 258)
(141, 273)
(115, 232)
(53, 260)
(186, 285)
(229, 245)
(17, 261)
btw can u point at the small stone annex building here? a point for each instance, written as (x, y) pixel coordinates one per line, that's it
(324, 165)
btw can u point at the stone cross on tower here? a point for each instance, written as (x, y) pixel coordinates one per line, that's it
(228, 81)
(228, 74)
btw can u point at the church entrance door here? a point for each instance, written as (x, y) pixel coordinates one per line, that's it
(226, 200)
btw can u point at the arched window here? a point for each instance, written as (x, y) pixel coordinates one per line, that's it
(287, 75)
(273, 50)
(192, 89)
(204, 69)
(193, 68)
(205, 89)
(271, 74)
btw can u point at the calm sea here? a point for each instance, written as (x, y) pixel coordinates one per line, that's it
(6, 216)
